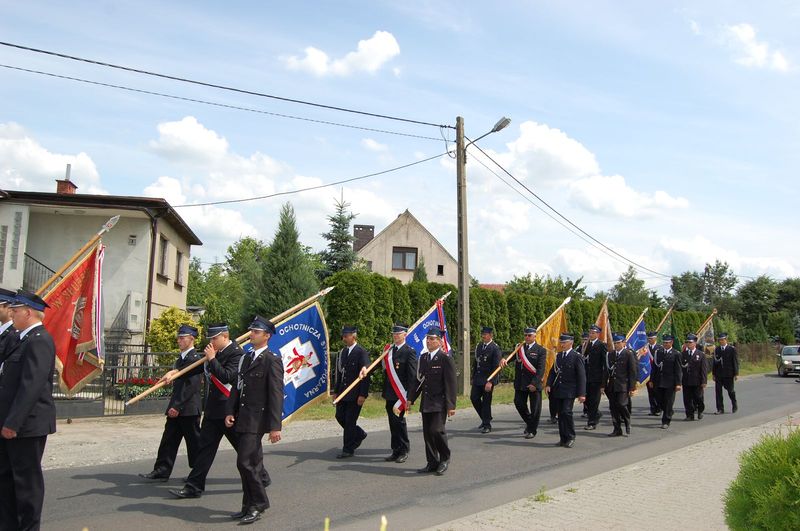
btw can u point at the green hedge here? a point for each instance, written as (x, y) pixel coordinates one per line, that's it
(766, 493)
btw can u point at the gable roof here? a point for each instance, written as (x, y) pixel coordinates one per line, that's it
(407, 216)
(153, 206)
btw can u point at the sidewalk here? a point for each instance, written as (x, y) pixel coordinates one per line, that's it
(679, 490)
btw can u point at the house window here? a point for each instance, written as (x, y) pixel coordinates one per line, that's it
(15, 239)
(178, 269)
(163, 247)
(404, 258)
(132, 240)
(440, 270)
(3, 242)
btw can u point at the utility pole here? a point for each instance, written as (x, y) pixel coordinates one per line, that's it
(463, 258)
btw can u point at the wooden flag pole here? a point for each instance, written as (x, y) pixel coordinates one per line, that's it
(500, 367)
(107, 226)
(664, 320)
(705, 323)
(635, 324)
(375, 363)
(282, 315)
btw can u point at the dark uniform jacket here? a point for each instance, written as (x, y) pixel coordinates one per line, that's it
(186, 389)
(26, 397)
(537, 356)
(405, 365)
(726, 362)
(656, 351)
(595, 356)
(7, 339)
(225, 366)
(436, 383)
(258, 404)
(694, 368)
(567, 377)
(487, 359)
(668, 365)
(622, 370)
(347, 368)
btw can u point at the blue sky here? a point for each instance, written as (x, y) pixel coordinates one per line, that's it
(667, 131)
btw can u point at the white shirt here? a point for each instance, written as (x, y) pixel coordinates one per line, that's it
(398, 347)
(350, 348)
(5, 326)
(184, 353)
(31, 327)
(257, 353)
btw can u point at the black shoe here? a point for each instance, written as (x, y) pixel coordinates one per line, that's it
(735, 408)
(184, 480)
(526, 432)
(344, 455)
(155, 476)
(658, 411)
(664, 426)
(530, 435)
(251, 516)
(719, 412)
(590, 427)
(553, 420)
(427, 469)
(266, 482)
(392, 457)
(185, 492)
(241, 514)
(559, 443)
(689, 417)
(699, 416)
(615, 433)
(402, 458)
(479, 428)
(570, 443)
(652, 414)
(627, 430)
(486, 429)
(361, 440)
(584, 415)
(442, 468)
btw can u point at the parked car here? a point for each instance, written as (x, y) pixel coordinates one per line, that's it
(789, 360)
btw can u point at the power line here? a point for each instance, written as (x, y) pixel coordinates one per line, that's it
(220, 87)
(212, 103)
(297, 191)
(559, 214)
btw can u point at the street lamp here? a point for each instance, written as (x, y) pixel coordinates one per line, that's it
(463, 265)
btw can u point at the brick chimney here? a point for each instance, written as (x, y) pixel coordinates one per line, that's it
(363, 235)
(65, 186)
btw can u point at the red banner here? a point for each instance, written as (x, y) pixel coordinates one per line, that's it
(75, 322)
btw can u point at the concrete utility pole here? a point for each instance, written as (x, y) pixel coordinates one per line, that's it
(462, 344)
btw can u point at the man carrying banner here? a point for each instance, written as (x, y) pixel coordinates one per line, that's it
(621, 376)
(7, 331)
(595, 358)
(487, 359)
(565, 382)
(400, 366)
(221, 369)
(255, 408)
(436, 384)
(653, 350)
(27, 414)
(666, 376)
(725, 371)
(183, 411)
(349, 363)
(695, 378)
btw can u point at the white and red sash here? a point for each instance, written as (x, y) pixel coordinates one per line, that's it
(524, 359)
(225, 389)
(391, 374)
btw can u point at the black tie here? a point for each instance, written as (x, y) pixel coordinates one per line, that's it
(248, 359)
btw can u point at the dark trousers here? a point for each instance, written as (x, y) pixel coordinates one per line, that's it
(347, 416)
(398, 430)
(652, 397)
(529, 406)
(566, 424)
(250, 462)
(693, 399)
(211, 433)
(482, 402)
(187, 428)
(21, 482)
(727, 383)
(666, 399)
(552, 407)
(618, 404)
(593, 393)
(436, 449)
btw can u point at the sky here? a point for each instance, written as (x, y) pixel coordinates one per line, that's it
(669, 131)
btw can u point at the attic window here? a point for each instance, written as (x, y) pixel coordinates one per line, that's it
(132, 239)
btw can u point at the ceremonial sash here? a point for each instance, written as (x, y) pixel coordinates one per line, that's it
(440, 314)
(525, 361)
(225, 389)
(394, 380)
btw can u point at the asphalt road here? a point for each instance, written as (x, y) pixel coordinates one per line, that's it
(309, 484)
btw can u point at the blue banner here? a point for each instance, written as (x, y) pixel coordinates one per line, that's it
(638, 343)
(434, 318)
(302, 343)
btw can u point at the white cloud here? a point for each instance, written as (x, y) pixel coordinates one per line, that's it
(751, 52)
(695, 27)
(611, 195)
(373, 145)
(370, 56)
(27, 165)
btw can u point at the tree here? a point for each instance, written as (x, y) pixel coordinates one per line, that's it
(629, 290)
(655, 301)
(196, 284)
(789, 296)
(339, 255)
(687, 291)
(546, 286)
(163, 333)
(758, 298)
(420, 273)
(718, 282)
(286, 274)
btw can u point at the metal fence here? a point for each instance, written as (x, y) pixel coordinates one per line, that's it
(125, 374)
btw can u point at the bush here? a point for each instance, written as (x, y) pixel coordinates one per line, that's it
(163, 333)
(766, 493)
